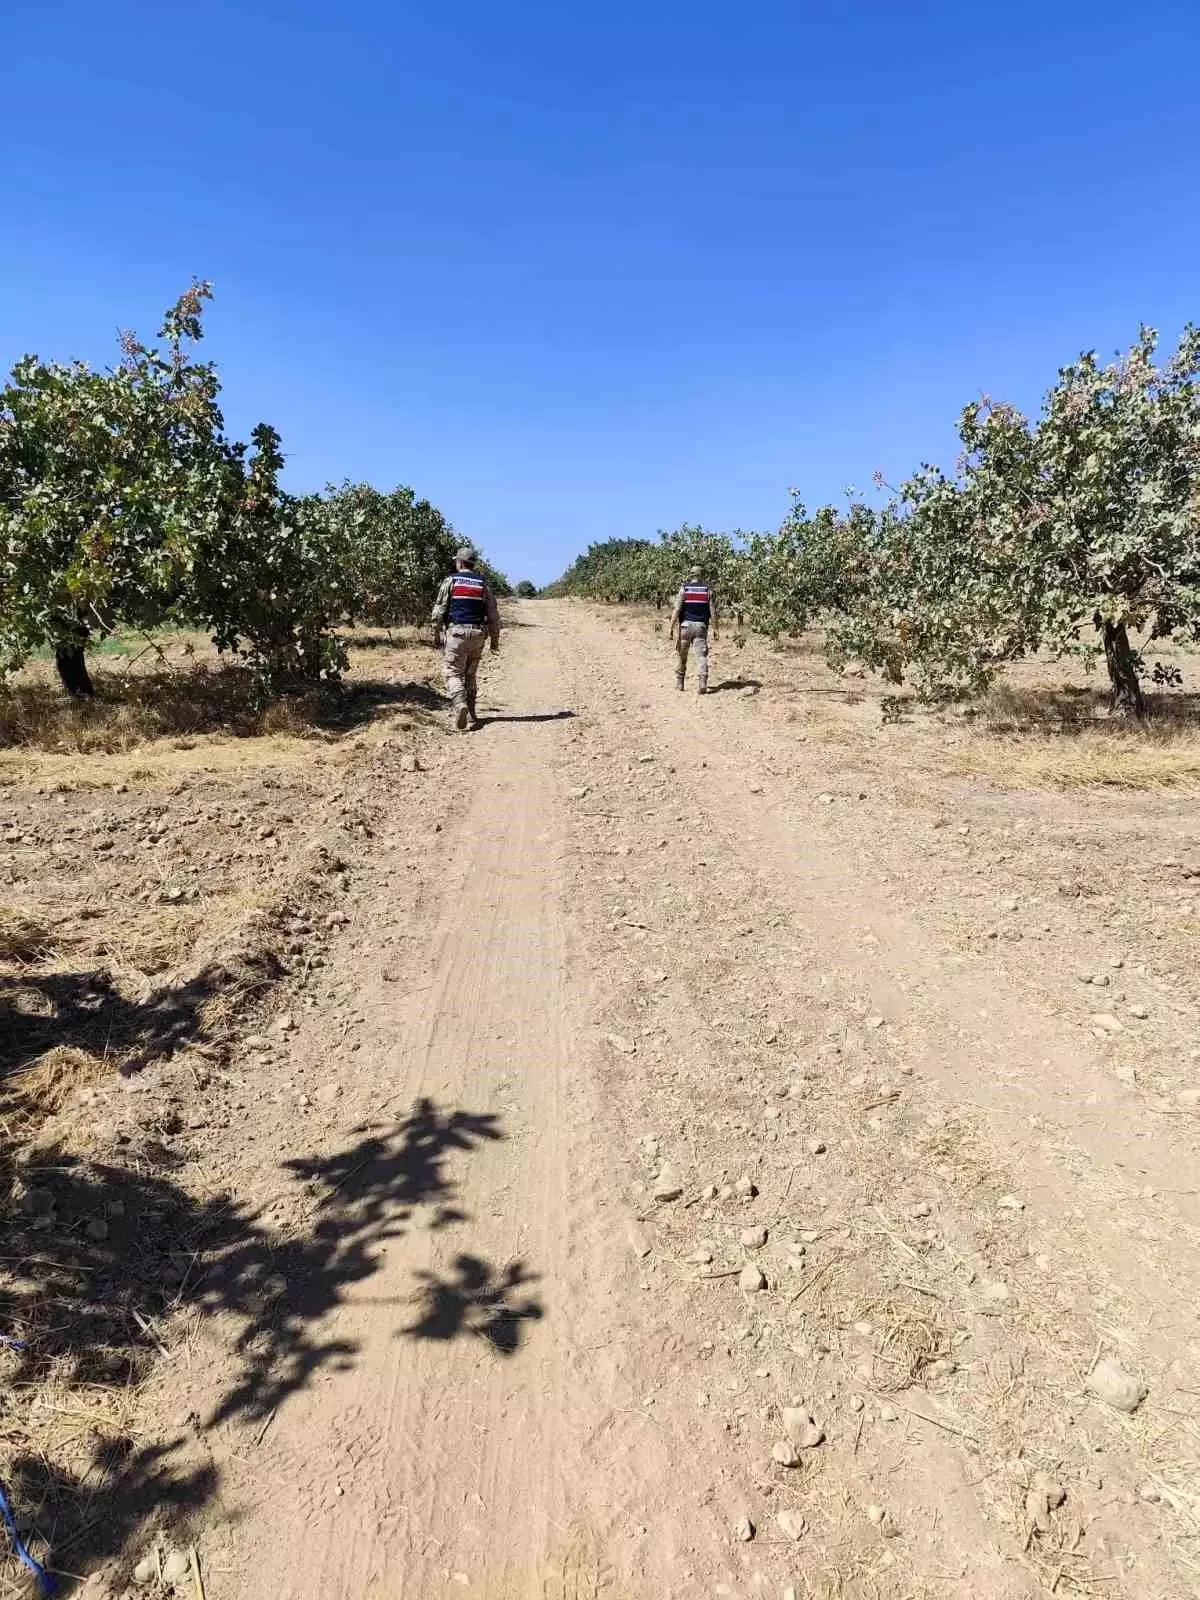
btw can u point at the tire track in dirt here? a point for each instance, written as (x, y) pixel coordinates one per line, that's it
(486, 1437)
(453, 1377)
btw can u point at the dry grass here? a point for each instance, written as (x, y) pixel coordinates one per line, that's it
(127, 983)
(55, 1419)
(127, 713)
(179, 689)
(1104, 756)
(56, 1427)
(159, 765)
(25, 938)
(157, 940)
(954, 1149)
(833, 724)
(911, 1336)
(151, 940)
(1029, 733)
(42, 1090)
(1091, 763)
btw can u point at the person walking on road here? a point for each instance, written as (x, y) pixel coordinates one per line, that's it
(464, 617)
(693, 622)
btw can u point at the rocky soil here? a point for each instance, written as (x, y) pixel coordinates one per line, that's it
(657, 1145)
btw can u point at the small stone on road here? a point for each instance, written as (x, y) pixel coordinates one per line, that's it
(1110, 1382)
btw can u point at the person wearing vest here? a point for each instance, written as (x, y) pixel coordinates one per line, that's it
(464, 618)
(693, 622)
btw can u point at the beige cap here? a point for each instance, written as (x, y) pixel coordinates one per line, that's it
(466, 555)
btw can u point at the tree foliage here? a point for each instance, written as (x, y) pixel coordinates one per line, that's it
(1063, 534)
(616, 569)
(124, 504)
(397, 549)
(104, 479)
(272, 573)
(1066, 534)
(651, 570)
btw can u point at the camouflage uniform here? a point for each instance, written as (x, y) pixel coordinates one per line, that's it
(692, 635)
(463, 643)
(462, 654)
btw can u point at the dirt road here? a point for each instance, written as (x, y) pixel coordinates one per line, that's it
(659, 1102)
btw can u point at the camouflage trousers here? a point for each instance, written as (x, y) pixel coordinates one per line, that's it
(461, 655)
(693, 635)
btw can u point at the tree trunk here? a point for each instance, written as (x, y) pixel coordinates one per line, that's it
(1127, 697)
(72, 670)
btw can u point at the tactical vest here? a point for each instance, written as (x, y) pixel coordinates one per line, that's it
(697, 604)
(468, 605)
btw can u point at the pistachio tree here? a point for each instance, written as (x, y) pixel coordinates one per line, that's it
(124, 505)
(1070, 534)
(398, 548)
(104, 479)
(271, 574)
(817, 567)
(651, 570)
(623, 570)
(1095, 508)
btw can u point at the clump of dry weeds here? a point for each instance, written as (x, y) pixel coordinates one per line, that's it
(1040, 736)
(911, 1336)
(128, 712)
(953, 1147)
(1129, 759)
(41, 1090)
(26, 938)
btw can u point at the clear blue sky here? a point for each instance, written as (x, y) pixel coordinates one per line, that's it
(579, 271)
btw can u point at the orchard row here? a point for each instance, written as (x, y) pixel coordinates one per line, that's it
(1073, 533)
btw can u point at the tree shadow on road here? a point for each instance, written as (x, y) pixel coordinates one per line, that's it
(477, 1300)
(102, 1263)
